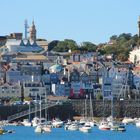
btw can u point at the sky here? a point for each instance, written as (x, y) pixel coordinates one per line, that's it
(80, 20)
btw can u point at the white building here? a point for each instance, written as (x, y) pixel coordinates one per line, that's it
(134, 56)
(61, 89)
(24, 46)
(34, 89)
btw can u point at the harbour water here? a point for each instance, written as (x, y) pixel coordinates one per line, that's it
(27, 133)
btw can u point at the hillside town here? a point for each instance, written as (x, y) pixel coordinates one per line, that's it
(70, 70)
(29, 70)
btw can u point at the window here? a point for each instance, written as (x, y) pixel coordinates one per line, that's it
(13, 91)
(4, 88)
(34, 89)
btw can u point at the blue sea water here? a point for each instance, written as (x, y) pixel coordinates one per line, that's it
(27, 133)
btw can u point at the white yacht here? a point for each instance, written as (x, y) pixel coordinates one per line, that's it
(138, 123)
(104, 125)
(127, 120)
(82, 121)
(46, 128)
(26, 122)
(57, 123)
(86, 128)
(73, 127)
(35, 121)
(38, 129)
(69, 122)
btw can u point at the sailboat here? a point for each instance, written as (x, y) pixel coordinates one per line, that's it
(114, 125)
(26, 122)
(103, 125)
(137, 121)
(88, 124)
(84, 118)
(41, 125)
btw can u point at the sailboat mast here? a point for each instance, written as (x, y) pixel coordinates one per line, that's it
(112, 107)
(29, 111)
(86, 107)
(91, 107)
(40, 107)
(46, 106)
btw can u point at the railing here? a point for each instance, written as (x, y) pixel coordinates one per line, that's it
(30, 111)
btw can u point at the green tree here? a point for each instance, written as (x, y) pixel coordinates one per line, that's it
(114, 37)
(52, 44)
(88, 46)
(64, 46)
(122, 47)
(99, 96)
(126, 36)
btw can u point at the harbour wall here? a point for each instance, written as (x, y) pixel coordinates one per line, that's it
(129, 108)
(120, 109)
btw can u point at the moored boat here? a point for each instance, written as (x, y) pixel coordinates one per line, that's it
(38, 129)
(46, 128)
(73, 127)
(57, 123)
(127, 120)
(35, 121)
(2, 131)
(121, 128)
(138, 123)
(86, 128)
(26, 122)
(104, 126)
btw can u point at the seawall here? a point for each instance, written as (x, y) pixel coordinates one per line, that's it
(129, 108)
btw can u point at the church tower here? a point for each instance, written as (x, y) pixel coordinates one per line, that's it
(139, 27)
(33, 32)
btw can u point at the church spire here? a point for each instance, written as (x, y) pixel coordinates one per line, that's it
(33, 32)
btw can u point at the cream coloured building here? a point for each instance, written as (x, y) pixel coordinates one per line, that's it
(34, 89)
(7, 90)
(134, 56)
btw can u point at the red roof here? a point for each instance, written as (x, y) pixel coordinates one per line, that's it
(136, 68)
(128, 62)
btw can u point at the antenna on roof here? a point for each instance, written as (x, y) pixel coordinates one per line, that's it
(26, 28)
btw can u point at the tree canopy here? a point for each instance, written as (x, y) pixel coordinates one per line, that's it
(88, 46)
(64, 46)
(69, 44)
(119, 45)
